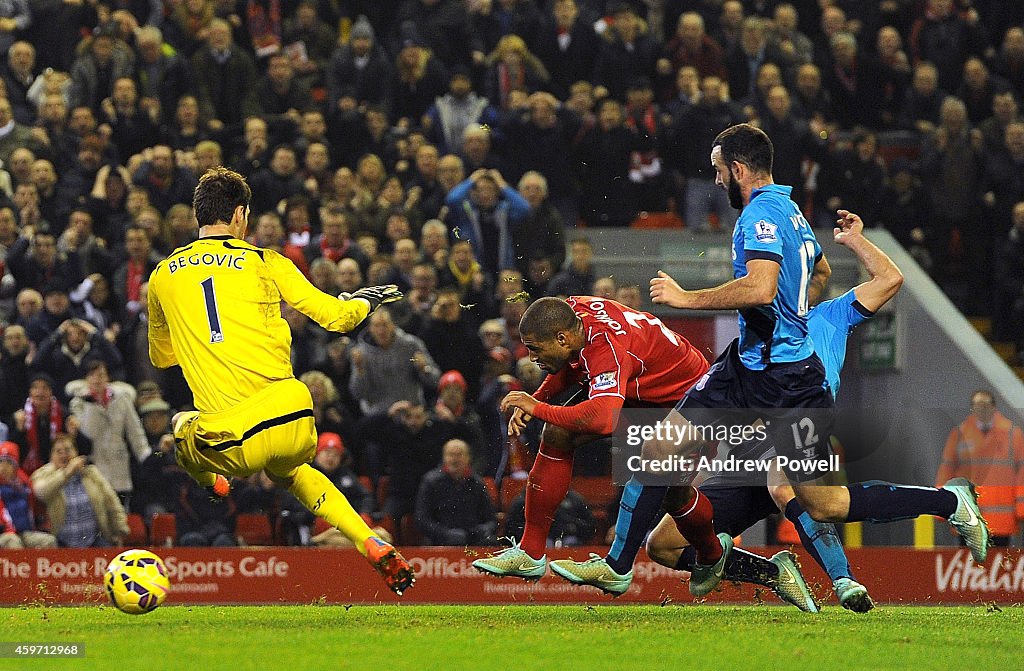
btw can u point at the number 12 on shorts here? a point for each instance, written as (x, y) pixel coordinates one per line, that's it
(216, 333)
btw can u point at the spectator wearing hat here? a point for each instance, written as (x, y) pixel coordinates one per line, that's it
(68, 352)
(39, 421)
(452, 406)
(359, 73)
(18, 500)
(108, 418)
(334, 461)
(83, 508)
(158, 479)
(453, 506)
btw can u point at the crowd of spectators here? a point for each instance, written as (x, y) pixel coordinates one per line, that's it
(449, 147)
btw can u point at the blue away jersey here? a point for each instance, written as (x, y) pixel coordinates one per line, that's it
(772, 227)
(829, 324)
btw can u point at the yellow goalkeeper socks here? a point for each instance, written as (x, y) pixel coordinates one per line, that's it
(319, 494)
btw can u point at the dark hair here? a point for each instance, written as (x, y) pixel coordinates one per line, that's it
(748, 145)
(219, 192)
(546, 317)
(94, 365)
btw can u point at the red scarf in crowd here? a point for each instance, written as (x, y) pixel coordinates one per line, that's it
(335, 254)
(133, 281)
(108, 394)
(32, 460)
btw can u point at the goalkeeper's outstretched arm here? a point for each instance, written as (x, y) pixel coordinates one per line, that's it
(334, 314)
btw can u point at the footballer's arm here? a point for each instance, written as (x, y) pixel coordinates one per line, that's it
(819, 279)
(595, 416)
(161, 350)
(886, 278)
(333, 314)
(758, 287)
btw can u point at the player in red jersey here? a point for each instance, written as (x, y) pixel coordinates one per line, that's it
(625, 358)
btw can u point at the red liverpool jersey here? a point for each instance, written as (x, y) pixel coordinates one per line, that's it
(632, 355)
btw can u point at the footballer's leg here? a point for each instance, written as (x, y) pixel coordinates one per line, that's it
(546, 488)
(737, 508)
(641, 505)
(284, 452)
(187, 456)
(878, 501)
(821, 540)
(315, 491)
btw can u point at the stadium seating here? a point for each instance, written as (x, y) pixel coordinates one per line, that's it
(163, 530)
(136, 531)
(253, 529)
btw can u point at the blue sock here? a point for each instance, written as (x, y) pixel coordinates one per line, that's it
(639, 507)
(878, 501)
(821, 540)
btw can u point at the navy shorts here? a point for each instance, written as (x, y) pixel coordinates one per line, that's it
(792, 399)
(738, 508)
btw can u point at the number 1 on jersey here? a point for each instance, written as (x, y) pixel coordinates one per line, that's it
(216, 334)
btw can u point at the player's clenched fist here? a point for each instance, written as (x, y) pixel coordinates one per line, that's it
(522, 405)
(666, 291)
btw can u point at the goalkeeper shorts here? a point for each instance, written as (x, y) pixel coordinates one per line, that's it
(273, 430)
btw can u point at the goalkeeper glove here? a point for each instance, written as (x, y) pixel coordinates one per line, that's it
(375, 296)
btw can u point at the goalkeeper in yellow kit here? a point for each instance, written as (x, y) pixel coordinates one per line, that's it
(215, 309)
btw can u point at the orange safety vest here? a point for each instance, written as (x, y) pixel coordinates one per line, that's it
(995, 462)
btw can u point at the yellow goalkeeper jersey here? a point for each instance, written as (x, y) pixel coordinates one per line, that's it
(215, 309)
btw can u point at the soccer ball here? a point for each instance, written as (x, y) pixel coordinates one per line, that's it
(136, 581)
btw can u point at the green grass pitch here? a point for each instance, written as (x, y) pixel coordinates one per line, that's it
(521, 637)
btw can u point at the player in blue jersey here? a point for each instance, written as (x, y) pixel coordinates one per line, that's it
(771, 372)
(739, 505)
